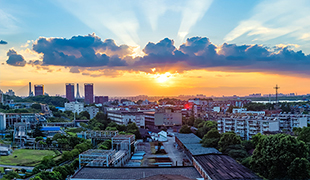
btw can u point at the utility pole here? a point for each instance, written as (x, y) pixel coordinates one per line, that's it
(277, 87)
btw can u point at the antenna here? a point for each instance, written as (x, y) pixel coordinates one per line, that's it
(277, 87)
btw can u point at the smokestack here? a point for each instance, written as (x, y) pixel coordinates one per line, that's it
(77, 92)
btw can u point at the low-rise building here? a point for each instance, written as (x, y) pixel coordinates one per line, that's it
(124, 117)
(75, 107)
(92, 111)
(2, 122)
(27, 118)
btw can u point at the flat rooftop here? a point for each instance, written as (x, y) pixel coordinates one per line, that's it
(198, 149)
(133, 173)
(188, 138)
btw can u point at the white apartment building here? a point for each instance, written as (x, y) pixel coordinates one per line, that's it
(2, 122)
(289, 121)
(75, 107)
(247, 126)
(124, 117)
(92, 111)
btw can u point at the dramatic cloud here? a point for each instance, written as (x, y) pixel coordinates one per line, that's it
(3, 42)
(200, 53)
(83, 51)
(89, 55)
(15, 59)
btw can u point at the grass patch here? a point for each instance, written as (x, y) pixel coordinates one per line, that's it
(26, 157)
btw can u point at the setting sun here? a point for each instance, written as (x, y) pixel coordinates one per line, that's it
(161, 78)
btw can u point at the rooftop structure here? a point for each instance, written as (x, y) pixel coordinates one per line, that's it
(133, 173)
(123, 142)
(96, 157)
(191, 145)
(102, 135)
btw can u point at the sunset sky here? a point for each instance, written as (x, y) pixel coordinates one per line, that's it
(133, 47)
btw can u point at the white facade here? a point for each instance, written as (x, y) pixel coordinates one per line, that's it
(244, 111)
(2, 122)
(246, 127)
(75, 107)
(217, 109)
(92, 111)
(124, 117)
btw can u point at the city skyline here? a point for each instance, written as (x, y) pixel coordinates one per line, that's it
(156, 48)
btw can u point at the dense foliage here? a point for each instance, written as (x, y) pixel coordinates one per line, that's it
(185, 129)
(50, 100)
(279, 156)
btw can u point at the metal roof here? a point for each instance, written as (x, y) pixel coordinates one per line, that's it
(133, 172)
(188, 138)
(50, 128)
(223, 167)
(198, 149)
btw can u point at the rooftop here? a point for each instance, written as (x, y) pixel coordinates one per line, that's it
(223, 167)
(132, 173)
(198, 149)
(50, 128)
(188, 138)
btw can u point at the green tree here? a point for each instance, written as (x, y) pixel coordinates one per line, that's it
(38, 138)
(49, 175)
(96, 129)
(11, 175)
(299, 169)
(106, 145)
(37, 131)
(303, 134)
(111, 129)
(227, 139)
(85, 114)
(67, 156)
(197, 122)
(257, 138)
(185, 129)
(134, 129)
(205, 127)
(36, 106)
(48, 141)
(274, 156)
(211, 139)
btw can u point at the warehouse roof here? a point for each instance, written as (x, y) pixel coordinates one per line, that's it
(223, 167)
(198, 149)
(134, 172)
(188, 138)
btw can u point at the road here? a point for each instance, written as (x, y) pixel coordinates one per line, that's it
(18, 167)
(174, 154)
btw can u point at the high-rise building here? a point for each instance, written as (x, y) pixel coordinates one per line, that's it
(89, 93)
(101, 99)
(70, 92)
(30, 92)
(39, 89)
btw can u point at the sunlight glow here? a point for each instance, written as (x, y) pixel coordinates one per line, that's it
(161, 78)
